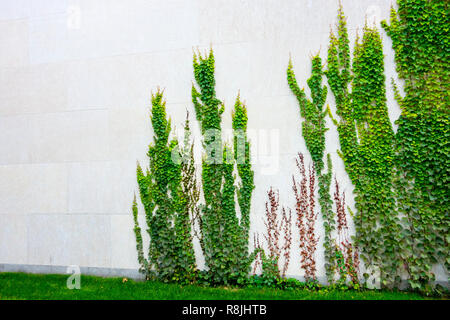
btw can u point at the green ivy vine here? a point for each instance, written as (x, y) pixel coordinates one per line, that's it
(224, 235)
(366, 139)
(313, 130)
(167, 208)
(313, 112)
(420, 36)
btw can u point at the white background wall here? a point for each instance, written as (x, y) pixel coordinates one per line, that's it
(75, 85)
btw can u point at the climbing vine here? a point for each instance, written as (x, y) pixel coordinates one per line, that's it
(224, 235)
(421, 41)
(278, 235)
(313, 131)
(366, 141)
(167, 208)
(306, 218)
(189, 184)
(313, 112)
(347, 256)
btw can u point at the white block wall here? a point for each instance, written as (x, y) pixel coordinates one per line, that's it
(75, 83)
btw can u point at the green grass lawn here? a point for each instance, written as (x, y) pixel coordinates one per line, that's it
(33, 286)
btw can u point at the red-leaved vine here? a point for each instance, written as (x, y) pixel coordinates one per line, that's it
(306, 217)
(349, 252)
(277, 227)
(272, 224)
(286, 219)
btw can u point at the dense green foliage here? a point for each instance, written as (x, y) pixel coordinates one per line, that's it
(401, 179)
(224, 235)
(421, 40)
(171, 255)
(244, 168)
(313, 130)
(33, 286)
(366, 140)
(312, 111)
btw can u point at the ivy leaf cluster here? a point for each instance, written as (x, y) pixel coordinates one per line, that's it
(419, 31)
(224, 235)
(366, 139)
(171, 256)
(312, 111)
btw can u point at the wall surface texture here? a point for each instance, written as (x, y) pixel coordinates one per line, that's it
(76, 78)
